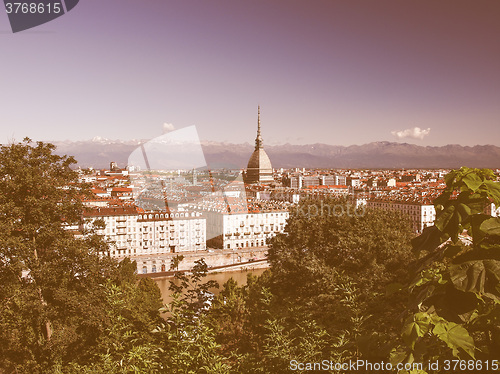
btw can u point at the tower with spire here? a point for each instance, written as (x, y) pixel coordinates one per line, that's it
(259, 168)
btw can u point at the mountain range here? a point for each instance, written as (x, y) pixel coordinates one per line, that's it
(99, 152)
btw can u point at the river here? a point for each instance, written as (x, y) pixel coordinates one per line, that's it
(239, 276)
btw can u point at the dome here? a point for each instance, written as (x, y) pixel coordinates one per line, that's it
(259, 160)
(259, 168)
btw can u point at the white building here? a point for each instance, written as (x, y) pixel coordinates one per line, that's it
(422, 213)
(242, 230)
(134, 233)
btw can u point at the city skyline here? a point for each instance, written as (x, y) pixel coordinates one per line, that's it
(333, 72)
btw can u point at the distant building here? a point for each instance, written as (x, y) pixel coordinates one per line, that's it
(113, 166)
(293, 181)
(115, 170)
(421, 212)
(309, 181)
(328, 180)
(354, 182)
(259, 168)
(332, 180)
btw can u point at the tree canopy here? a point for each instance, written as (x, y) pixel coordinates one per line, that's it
(455, 291)
(55, 303)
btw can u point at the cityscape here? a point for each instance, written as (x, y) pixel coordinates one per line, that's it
(249, 187)
(147, 243)
(204, 213)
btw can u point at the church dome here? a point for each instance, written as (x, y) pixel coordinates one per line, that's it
(259, 160)
(259, 168)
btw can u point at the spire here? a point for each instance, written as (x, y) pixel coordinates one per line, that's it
(258, 139)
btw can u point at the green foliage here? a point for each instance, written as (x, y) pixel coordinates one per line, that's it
(62, 306)
(258, 335)
(194, 292)
(187, 340)
(455, 292)
(51, 294)
(189, 344)
(127, 344)
(229, 316)
(371, 241)
(323, 261)
(304, 342)
(175, 262)
(323, 298)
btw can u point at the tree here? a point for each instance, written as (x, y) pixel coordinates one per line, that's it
(193, 291)
(324, 296)
(54, 306)
(38, 195)
(333, 268)
(175, 262)
(455, 291)
(227, 317)
(187, 339)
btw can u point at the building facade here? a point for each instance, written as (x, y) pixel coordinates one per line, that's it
(422, 213)
(133, 232)
(244, 230)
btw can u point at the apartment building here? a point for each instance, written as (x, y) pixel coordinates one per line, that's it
(420, 211)
(242, 230)
(133, 232)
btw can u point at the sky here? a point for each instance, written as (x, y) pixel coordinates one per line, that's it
(335, 72)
